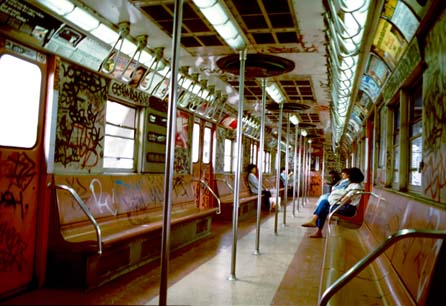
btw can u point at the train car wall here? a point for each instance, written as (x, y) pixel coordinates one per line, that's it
(434, 108)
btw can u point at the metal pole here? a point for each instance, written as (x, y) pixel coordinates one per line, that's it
(236, 202)
(170, 152)
(279, 137)
(295, 170)
(287, 158)
(309, 172)
(260, 165)
(304, 169)
(299, 172)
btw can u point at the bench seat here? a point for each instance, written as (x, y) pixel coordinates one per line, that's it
(128, 210)
(399, 276)
(247, 200)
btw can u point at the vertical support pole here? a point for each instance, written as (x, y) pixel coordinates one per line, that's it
(279, 137)
(170, 152)
(260, 165)
(299, 173)
(304, 171)
(296, 162)
(309, 172)
(236, 202)
(287, 158)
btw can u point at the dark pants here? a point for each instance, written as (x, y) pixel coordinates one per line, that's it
(266, 197)
(323, 209)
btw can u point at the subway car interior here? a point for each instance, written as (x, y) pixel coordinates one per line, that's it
(171, 152)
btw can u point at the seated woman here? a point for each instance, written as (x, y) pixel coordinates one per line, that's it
(325, 205)
(340, 184)
(253, 183)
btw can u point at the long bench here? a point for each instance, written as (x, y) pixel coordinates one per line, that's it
(247, 200)
(103, 226)
(389, 259)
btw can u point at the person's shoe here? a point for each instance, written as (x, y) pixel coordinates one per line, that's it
(309, 224)
(316, 235)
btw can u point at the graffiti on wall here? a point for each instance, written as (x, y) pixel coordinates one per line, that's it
(80, 119)
(16, 214)
(434, 108)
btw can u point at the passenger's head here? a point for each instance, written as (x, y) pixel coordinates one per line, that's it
(356, 175)
(345, 173)
(251, 168)
(333, 173)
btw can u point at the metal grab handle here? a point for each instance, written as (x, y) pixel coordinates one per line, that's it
(226, 183)
(85, 209)
(212, 192)
(341, 202)
(360, 265)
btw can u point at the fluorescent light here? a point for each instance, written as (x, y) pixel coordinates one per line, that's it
(128, 47)
(146, 58)
(82, 19)
(222, 21)
(304, 133)
(294, 120)
(275, 93)
(61, 7)
(104, 33)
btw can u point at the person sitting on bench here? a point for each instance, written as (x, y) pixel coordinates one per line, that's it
(326, 205)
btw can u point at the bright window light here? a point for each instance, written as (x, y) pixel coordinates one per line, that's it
(22, 125)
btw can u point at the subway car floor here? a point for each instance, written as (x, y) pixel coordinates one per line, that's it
(286, 272)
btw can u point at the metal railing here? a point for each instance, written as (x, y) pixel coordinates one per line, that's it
(85, 209)
(212, 192)
(364, 262)
(346, 198)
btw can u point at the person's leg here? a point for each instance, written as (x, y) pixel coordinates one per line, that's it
(323, 211)
(321, 208)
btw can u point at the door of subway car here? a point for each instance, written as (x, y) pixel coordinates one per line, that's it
(23, 75)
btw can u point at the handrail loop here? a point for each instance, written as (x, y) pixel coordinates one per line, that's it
(85, 209)
(365, 261)
(212, 192)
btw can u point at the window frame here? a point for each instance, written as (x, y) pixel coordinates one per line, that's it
(136, 119)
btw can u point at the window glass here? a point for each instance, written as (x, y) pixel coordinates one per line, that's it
(120, 131)
(207, 145)
(195, 142)
(396, 144)
(382, 138)
(415, 134)
(19, 108)
(228, 156)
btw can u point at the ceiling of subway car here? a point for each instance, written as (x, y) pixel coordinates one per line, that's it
(293, 30)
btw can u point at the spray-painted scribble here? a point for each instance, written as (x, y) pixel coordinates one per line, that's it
(19, 171)
(101, 200)
(12, 249)
(80, 119)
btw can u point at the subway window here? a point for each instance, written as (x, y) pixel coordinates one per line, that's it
(120, 132)
(195, 142)
(415, 133)
(206, 145)
(267, 162)
(228, 155)
(14, 72)
(396, 144)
